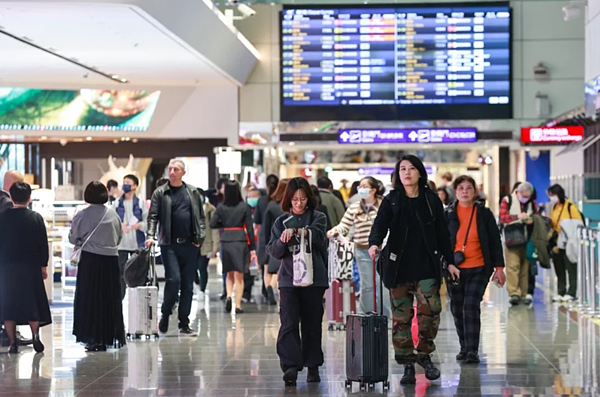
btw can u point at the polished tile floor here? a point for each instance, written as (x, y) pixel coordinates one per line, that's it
(540, 350)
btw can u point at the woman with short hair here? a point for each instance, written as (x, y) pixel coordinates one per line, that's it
(475, 237)
(23, 263)
(301, 308)
(234, 216)
(98, 310)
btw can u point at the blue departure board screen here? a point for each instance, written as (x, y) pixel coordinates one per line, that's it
(397, 62)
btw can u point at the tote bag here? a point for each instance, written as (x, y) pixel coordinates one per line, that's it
(303, 262)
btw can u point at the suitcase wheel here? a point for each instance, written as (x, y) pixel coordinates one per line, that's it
(363, 386)
(348, 384)
(386, 385)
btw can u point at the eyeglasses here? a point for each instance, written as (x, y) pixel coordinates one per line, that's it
(301, 200)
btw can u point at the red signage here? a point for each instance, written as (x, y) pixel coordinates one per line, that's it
(552, 134)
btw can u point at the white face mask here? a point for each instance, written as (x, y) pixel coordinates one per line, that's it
(364, 193)
(523, 200)
(554, 199)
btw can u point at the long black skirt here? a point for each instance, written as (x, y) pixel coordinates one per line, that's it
(98, 317)
(23, 295)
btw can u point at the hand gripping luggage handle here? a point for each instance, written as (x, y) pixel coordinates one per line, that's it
(153, 265)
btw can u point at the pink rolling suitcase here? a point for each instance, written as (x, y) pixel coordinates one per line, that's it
(340, 301)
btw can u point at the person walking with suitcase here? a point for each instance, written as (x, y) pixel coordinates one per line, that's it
(301, 308)
(477, 246)
(361, 216)
(411, 264)
(176, 211)
(134, 214)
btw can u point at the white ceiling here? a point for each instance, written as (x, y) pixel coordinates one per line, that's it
(115, 38)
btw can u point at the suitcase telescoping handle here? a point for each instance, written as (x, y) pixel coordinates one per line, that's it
(375, 288)
(153, 265)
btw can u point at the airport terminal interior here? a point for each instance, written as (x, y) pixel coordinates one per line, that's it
(157, 159)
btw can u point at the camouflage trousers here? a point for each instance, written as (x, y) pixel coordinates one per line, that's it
(429, 307)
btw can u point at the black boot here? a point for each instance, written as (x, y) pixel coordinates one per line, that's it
(409, 377)
(462, 356)
(313, 375)
(473, 358)
(431, 371)
(290, 376)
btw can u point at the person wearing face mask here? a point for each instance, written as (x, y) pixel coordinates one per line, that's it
(518, 209)
(134, 215)
(563, 209)
(361, 216)
(252, 199)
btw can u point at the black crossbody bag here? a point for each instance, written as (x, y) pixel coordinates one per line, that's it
(459, 256)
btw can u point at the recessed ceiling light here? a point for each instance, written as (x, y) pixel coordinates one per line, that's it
(89, 138)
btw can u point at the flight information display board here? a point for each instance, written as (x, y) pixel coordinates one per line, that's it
(401, 62)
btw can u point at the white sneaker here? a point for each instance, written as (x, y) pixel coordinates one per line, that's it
(568, 299)
(528, 299)
(557, 298)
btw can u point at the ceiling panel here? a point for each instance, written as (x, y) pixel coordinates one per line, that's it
(114, 38)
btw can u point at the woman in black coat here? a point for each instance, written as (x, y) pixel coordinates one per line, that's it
(301, 308)
(23, 262)
(412, 262)
(475, 238)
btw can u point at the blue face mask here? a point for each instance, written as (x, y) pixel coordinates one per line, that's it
(252, 201)
(126, 188)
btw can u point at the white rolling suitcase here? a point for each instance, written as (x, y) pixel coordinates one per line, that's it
(142, 320)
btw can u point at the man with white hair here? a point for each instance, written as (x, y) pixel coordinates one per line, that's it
(516, 213)
(177, 213)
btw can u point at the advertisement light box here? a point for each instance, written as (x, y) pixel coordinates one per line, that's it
(551, 135)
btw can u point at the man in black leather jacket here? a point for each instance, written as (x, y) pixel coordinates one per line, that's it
(177, 207)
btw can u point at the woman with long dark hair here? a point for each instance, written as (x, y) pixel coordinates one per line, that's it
(259, 221)
(301, 308)
(562, 209)
(476, 240)
(234, 216)
(273, 212)
(411, 264)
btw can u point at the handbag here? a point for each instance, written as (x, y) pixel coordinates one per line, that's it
(76, 254)
(459, 256)
(515, 235)
(303, 262)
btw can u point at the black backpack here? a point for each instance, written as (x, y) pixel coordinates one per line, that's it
(137, 267)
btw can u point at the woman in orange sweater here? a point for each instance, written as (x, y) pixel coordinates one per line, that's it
(477, 253)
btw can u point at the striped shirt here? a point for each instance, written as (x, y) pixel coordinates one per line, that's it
(362, 222)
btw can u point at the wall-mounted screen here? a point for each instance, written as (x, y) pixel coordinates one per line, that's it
(76, 110)
(401, 62)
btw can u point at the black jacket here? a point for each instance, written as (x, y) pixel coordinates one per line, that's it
(259, 218)
(5, 201)
(160, 212)
(283, 252)
(393, 217)
(489, 235)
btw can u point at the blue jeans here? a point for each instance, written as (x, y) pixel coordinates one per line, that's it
(365, 269)
(181, 265)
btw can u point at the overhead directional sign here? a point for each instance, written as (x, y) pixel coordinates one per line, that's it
(408, 135)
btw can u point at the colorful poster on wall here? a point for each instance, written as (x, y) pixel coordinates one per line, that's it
(76, 110)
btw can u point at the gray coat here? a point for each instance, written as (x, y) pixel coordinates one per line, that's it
(335, 208)
(106, 239)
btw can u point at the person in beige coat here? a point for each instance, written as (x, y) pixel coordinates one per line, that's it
(209, 248)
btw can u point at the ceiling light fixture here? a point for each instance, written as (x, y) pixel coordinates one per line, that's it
(89, 138)
(54, 52)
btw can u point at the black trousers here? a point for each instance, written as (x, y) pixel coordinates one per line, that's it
(465, 301)
(562, 267)
(301, 315)
(248, 284)
(123, 258)
(203, 270)
(533, 272)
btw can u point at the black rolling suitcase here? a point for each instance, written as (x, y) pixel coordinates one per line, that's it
(367, 346)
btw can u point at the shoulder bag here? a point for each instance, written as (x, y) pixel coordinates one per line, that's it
(76, 254)
(459, 256)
